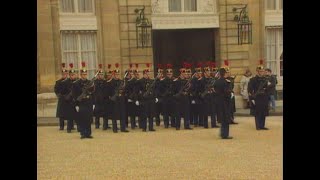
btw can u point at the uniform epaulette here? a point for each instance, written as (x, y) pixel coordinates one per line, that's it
(228, 80)
(175, 79)
(162, 79)
(199, 79)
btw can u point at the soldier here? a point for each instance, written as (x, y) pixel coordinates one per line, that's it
(58, 90)
(135, 94)
(233, 101)
(196, 102)
(259, 97)
(82, 91)
(181, 94)
(168, 103)
(98, 97)
(223, 96)
(117, 96)
(146, 100)
(158, 93)
(108, 104)
(65, 111)
(130, 95)
(213, 104)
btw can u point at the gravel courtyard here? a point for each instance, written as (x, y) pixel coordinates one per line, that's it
(164, 154)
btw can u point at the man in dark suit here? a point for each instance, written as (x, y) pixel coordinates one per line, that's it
(223, 98)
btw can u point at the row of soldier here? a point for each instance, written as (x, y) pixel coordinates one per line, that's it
(193, 97)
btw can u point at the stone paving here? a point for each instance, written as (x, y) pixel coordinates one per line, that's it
(164, 154)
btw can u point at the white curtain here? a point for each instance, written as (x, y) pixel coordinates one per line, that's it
(88, 52)
(274, 48)
(271, 4)
(67, 6)
(78, 47)
(70, 49)
(85, 6)
(190, 5)
(174, 5)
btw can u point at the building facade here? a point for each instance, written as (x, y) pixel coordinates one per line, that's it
(109, 32)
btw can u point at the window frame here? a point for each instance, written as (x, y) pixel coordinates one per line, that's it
(277, 8)
(182, 8)
(79, 52)
(76, 9)
(278, 48)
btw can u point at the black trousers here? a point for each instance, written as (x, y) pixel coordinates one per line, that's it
(260, 121)
(224, 129)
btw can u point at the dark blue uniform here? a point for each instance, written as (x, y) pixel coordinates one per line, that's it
(259, 98)
(98, 99)
(65, 107)
(223, 99)
(84, 100)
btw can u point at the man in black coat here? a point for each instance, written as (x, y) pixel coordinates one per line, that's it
(259, 97)
(58, 89)
(82, 91)
(223, 96)
(65, 107)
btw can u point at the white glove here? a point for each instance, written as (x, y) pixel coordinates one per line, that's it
(94, 107)
(130, 100)
(77, 108)
(232, 95)
(157, 100)
(137, 103)
(269, 83)
(193, 102)
(254, 103)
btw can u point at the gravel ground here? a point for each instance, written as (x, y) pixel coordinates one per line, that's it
(164, 154)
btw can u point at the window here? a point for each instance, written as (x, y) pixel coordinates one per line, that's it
(78, 46)
(190, 5)
(274, 48)
(273, 4)
(182, 5)
(174, 5)
(76, 6)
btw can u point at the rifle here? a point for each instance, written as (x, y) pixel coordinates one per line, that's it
(208, 88)
(150, 87)
(261, 89)
(185, 89)
(120, 88)
(87, 89)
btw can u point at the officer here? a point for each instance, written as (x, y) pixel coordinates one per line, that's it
(98, 97)
(259, 97)
(83, 90)
(223, 96)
